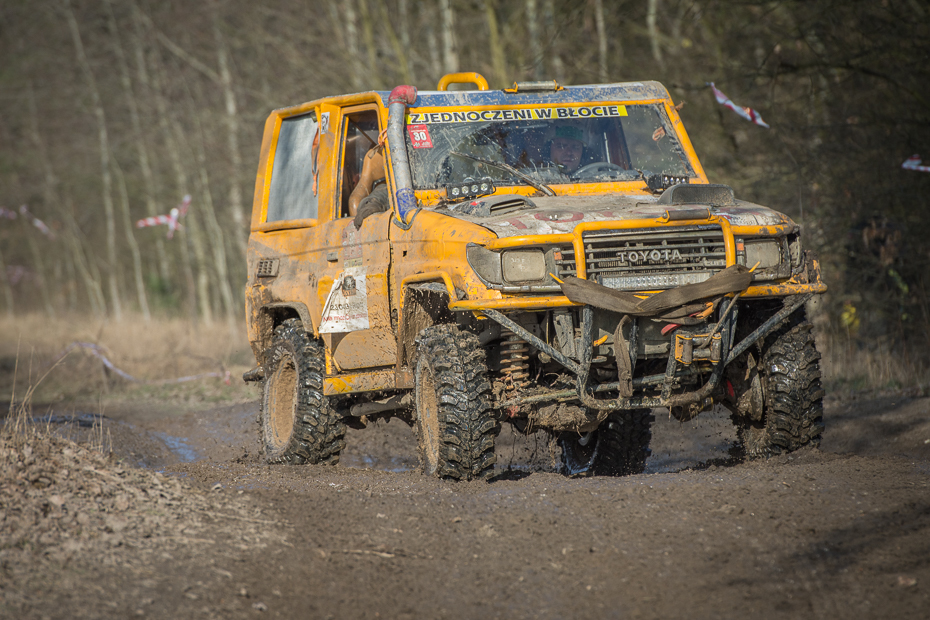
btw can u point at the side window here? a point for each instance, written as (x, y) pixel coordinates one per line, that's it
(292, 195)
(360, 131)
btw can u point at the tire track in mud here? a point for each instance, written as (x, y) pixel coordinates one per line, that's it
(837, 532)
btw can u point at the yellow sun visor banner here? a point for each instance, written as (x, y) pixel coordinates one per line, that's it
(562, 112)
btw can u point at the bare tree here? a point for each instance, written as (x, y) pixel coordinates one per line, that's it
(651, 12)
(494, 40)
(450, 56)
(232, 136)
(557, 66)
(7, 289)
(535, 45)
(601, 41)
(126, 81)
(107, 179)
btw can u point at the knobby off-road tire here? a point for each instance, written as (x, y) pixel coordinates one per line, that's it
(792, 396)
(619, 446)
(455, 427)
(298, 423)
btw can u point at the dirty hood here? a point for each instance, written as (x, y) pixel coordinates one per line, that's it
(560, 214)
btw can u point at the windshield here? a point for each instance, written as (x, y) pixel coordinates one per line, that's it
(585, 143)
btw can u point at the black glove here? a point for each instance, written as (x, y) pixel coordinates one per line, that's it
(378, 201)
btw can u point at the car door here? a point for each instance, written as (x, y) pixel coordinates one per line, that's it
(352, 286)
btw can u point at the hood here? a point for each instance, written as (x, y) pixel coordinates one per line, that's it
(510, 216)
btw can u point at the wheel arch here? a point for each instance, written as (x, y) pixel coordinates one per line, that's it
(271, 315)
(425, 304)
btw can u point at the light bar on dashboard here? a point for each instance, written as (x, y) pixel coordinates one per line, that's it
(469, 188)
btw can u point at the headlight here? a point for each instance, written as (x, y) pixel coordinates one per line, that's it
(766, 253)
(520, 266)
(772, 258)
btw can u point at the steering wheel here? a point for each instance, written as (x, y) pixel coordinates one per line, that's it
(598, 167)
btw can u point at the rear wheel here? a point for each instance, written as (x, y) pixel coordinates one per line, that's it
(455, 426)
(298, 423)
(792, 394)
(619, 446)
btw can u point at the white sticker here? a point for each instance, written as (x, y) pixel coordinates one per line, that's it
(324, 122)
(346, 308)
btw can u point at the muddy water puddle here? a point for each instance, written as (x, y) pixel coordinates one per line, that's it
(159, 439)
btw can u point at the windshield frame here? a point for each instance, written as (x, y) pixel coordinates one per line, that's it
(433, 113)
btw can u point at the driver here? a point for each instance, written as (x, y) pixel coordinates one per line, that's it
(567, 148)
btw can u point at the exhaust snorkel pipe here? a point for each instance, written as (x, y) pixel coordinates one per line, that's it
(400, 98)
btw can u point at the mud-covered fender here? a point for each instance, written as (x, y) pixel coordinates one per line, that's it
(269, 316)
(425, 304)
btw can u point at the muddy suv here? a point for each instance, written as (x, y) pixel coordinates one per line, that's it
(552, 257)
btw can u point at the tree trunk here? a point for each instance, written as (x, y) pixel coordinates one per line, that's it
(602, 72)
(497, 49)
(557, 66)
(407, 67)
(143, 160)
(83, 265)
(240, 234)
(212, 225)
(355, 59)
(112, 260)
(400, 50)
(48, 194)
(7, 289)
(194, 299)
(133, 245)
(373, 75)
(652, 10)
(450, 56)
(142, 145)
(535, 45)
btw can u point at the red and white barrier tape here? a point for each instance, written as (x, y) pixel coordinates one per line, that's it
(913, 163)
(171, 219)
(24, 211)
(97, 351)
(748, 113)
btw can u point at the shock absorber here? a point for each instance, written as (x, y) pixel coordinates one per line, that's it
(515, 360)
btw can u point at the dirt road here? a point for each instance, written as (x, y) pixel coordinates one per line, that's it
(840, 532)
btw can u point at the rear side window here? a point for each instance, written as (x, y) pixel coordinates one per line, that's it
(292, 195)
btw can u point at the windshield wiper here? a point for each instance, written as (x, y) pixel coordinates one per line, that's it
(507, 167)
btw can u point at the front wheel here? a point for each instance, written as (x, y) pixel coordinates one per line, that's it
(619, 446)
(792, 396)
(454, 424)
(298, 423)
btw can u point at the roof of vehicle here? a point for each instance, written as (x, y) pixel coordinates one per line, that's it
(620, 91)
(624, 91)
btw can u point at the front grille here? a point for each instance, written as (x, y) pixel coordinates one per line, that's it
(648, 259)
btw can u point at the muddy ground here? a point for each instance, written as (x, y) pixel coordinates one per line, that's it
(184, 521)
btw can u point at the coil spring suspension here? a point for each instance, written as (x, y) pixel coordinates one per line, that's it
(515, 359)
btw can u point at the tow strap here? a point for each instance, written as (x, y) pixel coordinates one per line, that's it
(672, 305)
(668, 304)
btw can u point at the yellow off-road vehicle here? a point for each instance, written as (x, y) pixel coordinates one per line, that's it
(549, 256)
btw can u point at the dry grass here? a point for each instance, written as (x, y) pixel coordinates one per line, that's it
(166, 349)
(159, 351)
(850, 368)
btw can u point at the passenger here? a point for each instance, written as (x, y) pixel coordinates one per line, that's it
(366, 192)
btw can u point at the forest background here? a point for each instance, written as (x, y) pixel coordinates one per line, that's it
(114, 110)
